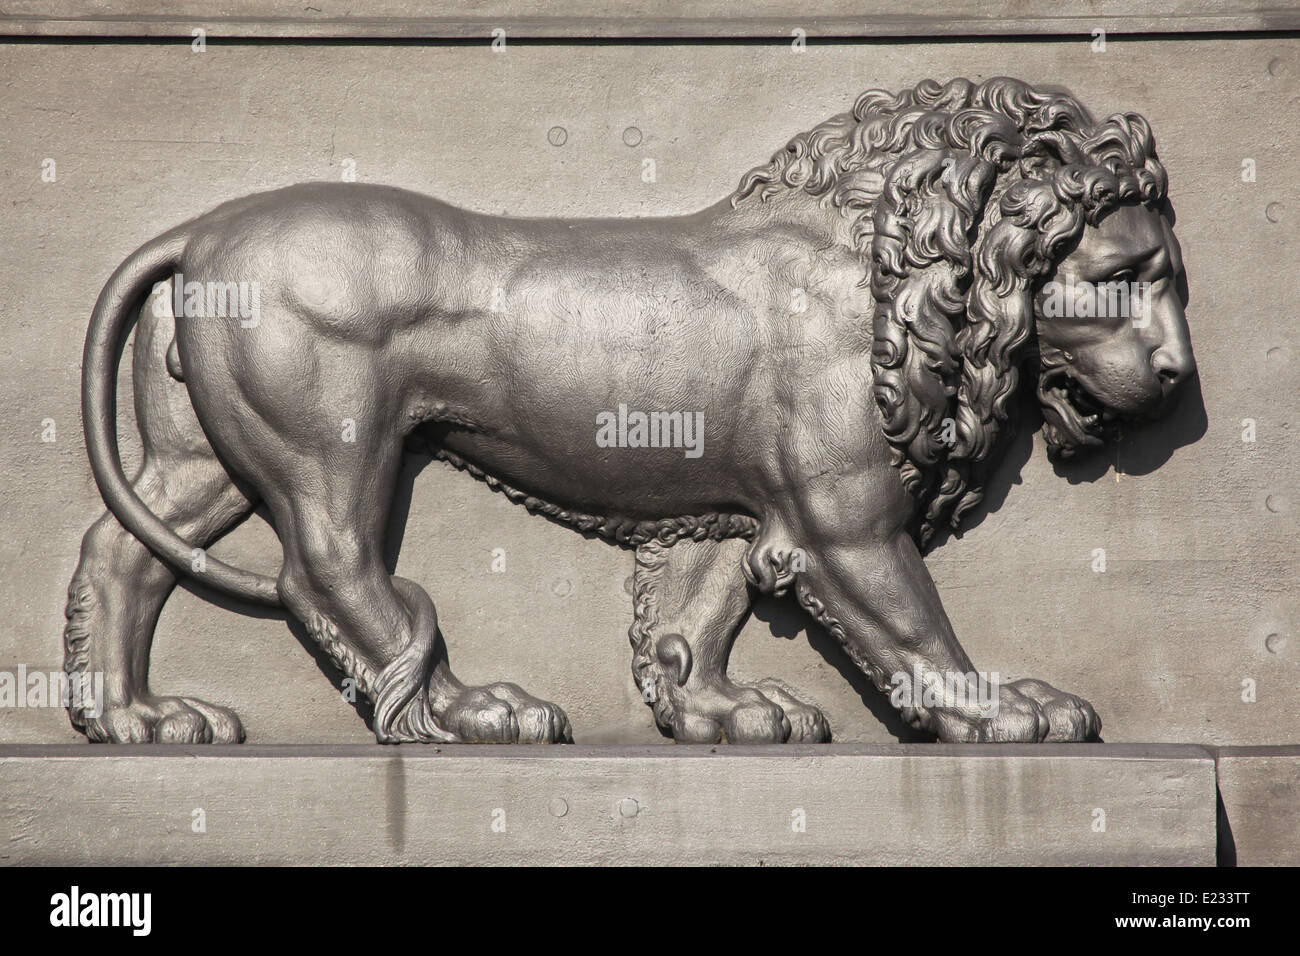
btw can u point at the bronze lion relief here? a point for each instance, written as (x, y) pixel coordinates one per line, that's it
(794, 389)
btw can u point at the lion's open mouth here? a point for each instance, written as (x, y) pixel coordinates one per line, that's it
(1092, 411)
(1074, 418)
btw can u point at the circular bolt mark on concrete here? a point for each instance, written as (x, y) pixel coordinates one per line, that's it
(631, 136)
(1273, 212)
(562, 587)
(559, 807)
(557, 136)
(629, 808)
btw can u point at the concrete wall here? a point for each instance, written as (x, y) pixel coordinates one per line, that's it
(1199, 527)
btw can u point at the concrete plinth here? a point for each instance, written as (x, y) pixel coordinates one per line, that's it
(921, 804)
(1260, 790)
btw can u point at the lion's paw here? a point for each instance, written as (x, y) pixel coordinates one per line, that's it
(540, 721)
(165, 720)
(732, 713)
(807, 723)
(1069, 718)
(1027, 711)
(504, 714)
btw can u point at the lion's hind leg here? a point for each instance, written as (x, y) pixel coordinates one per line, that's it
(690, 602)
(119, 587)
(381, 630)
(114, 601)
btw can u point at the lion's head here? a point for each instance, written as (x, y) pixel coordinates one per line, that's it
(1004, 227)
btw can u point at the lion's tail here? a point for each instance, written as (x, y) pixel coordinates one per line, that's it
(151, 263)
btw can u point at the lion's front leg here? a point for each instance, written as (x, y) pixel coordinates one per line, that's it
(872, 591)
(690, 601)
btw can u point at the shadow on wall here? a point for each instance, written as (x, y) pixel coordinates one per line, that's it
(1144, 447)
(786, 619)
(1140, 450)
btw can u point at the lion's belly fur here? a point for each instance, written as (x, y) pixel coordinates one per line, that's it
(502, 342)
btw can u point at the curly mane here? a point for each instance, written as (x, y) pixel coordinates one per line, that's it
(964, 197)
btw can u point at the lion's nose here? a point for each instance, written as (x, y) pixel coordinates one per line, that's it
(1173, 365)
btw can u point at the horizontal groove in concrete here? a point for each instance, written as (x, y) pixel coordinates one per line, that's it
(673, 751)
(722, 20)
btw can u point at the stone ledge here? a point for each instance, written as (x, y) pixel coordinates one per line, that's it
(918, 804)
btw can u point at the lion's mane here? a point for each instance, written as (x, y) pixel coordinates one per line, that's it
(964, 197)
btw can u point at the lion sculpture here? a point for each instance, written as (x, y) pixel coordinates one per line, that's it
(849, 329)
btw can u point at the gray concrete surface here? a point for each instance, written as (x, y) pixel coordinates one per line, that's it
(936, 804)
(1200, 589)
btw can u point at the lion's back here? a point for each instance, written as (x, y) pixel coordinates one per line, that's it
(354, 259)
